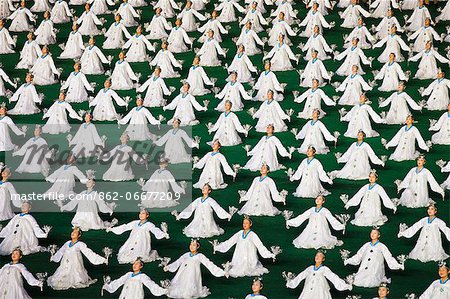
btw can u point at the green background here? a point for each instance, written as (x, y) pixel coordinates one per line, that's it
(271, 230)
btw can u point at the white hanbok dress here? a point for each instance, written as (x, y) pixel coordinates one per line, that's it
(156, 90)
(429, 244)
(158, 192)
(351, 15)
(370, 258)
(358, 119)
(442, 126)
(317, 233)
(243, 66)
(188, 18)
(174, 146)
(157, 27)
(232, 92)
(315, 69)
(57, 118)
(6, 7)
(280, 57)
(7, 124)
(91, 61)
(74, 46)
(383, 28)
(104, 106)
(203, 224)
(310, 173)
(63, 180)
(21, 231)
(227, 13)
(353, 56)
(415, 184)
(20, 20)
(88, 22)
(209, 52)
(167, 8)
(438, 289)
(428, 68)
(394, 44)
(115, 36)
(256, 18)
(438, 94)
(370, 198)
(123, 76)
(362, 33)
(313, 19)
(313, 99)
(249, 39)
(88, 204)
(212, 173)
(184, 105)
(214, 25)
(178, 40)
(187, 283)
(8, 195)
(138, 244)
(71, 273)
(286, 8)
(280, 27)
(41, 6)
(137, 46)
(268, 81)
(128, 14)
(422, 36)
(133, 286)
(265, 152)
(166, 61)
(313, 133)
(45, 33)
(29, 54)
(391, 73)
(138, 118)
(60, 12)
(227, 128)
(245, 261)
(316, 284)
(259, 198)
(197, 79)
(317, 42)
(77, 87)
(86, 142)
(44, 71)
(405, 143)
(381, 7)
(26, 97)
(399, 110)
(35, 156)
(11, 281)
(4, 78)
(270, 112)
(353, 87)
(417, 18)
(357, 160)
(6, 42)
(120, 167)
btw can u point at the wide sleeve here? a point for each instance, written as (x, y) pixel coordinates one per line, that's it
(117, 283)
(118, 230)
(396, 139)
(72, 113)
(293, 283)
(412, 230)
(175, 265)
(346, 156)
(154, 288)
(392, 263)
(94, 258)
(226, 245)
(428, 294)
(220, 212)
(372, 157)
(387, 202)
(76, 172)
(297, 221)
(274, 192)
(60, 253)
(263, 251)
(216, 271)
(326, 134)
(157, 232)
(356, 199)
(433, 184)
(226, 167)
(357, 258)
(31, 280)
(151, 119)
(338, 283)
(13, 127)
(336, 224)
(420, 140)
(38, 232)
(281, 149)
(189, 210)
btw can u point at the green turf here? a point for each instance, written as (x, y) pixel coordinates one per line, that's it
(271, 230)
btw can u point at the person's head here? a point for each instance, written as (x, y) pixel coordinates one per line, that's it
(157, 71)
(355, 41)
(248, 25)
(90, 184)
(310, 151)
(75, 234)
(257, 285)
(241, 48)
(383, 290)
(139, 101)
(6, 173)
(87, 6)
(389, 12)
(265, 169)
(360, 22)
(124, 138)
(176, 123)
(281, 16)
(206, 190)
(44, 50)
(362, 98)
(62, 96)
(30, 36)
(3, 110)
(320, 200)
(91, 41)
(196, 60)
(401, 86)
(214, 14)
(143, 214)
(25, 207)
(354, 69)
(121, 55)
(443, 270)
(139, 30)
(22, 4)
(137, 265)
(375, 234)
(233, 76)
(420, 2)
(393, 29)
(228, 105)
(315, 83)
(421, 160)
(254, 4)
(70, 159)
(428, 45)
(77, 66)
(409, 119)
(320, 257)
(316, 29)
(391, 57)
(117, 18)
(267, 65)
(46, 15)
(361, 135)
(37, 131)
(188, 4)
(210, 33)
(270, 129)
(440, 74)
(216, 145)
(247, 223)
(186, 87)
(314, 54)
(107, 84)
(194, 246)
(74, 26)
(315, 114)
(158, 10)
(16, 255)
(315, 5)
(373, 176)
(432, 210)
(270, 94)
(28, 78)
(178, 22)
(281, 38)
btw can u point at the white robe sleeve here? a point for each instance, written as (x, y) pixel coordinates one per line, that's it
(216, 271)
(117, 283)
(94, 258)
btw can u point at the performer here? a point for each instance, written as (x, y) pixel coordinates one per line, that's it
(44, 70)
(138, 244)
(210, 50)
(316, 42)
(314, 70)
(423, 35)
(314, 97)
(7, 124)
(270, 113)
(353, 87)
(123, 76)
(29, 54)
(439, 287)
(227, 127)
(77, 86)
(158, 26)
(394, 44)
(156, 89)
(268, 81)
(442, 126)
(197, 79)
(257, 286)
(8, 195)
(179, 41)
(26, 97)
(438, 92)
(137, 47)
(88, 22)
(92, 59)
(7, 42)
(74, 47)
(383, 29)
(138, 118)
(228, 13)
(232, 92)
(60, 12)
(115, 34)
(427, 68)
(362, 33)
(250, 39)
(399, 102)
(353, 56)
(103, 103)
(213, 24)
(87, 142)
(21, 18)
(242, 65)
(57, 116)
(189, 16)
(281, 55)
